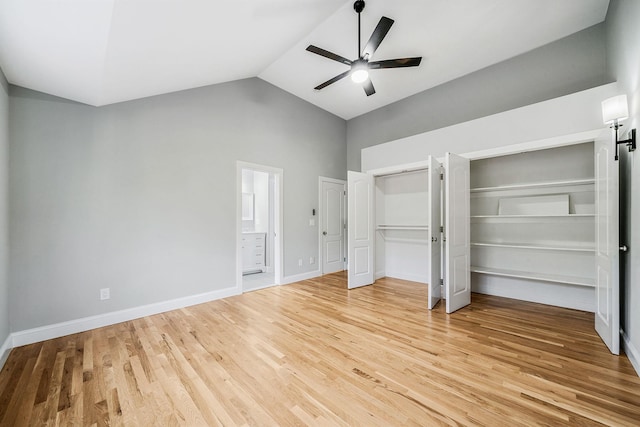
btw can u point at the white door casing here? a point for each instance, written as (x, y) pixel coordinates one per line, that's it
(361, 237)
(332, 220)
(607, 316)
(457, 232)
(434, 232)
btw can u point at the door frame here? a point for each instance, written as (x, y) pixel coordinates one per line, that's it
(278, 224)
(321, 180)
(435, 180)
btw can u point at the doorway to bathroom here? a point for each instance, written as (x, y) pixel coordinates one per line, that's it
(259, 247)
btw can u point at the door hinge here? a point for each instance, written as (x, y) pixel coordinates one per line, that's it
(344, 259)
(441, 177)
(441, 282)
(344, 192)
(441, 229)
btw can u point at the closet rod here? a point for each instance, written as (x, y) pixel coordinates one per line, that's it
(402, 172)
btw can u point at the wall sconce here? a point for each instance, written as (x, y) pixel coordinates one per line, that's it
(615, 110)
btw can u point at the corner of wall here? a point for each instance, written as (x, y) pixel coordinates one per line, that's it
(5, 349)
(632, 352)
(5, 336)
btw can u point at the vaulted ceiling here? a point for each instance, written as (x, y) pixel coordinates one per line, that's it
(101, 52)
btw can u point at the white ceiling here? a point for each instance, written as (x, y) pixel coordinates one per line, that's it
(105, 51)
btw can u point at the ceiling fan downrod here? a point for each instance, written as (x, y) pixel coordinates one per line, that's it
(358, 6)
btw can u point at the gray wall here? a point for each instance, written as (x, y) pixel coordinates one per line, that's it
(569, 65)
(140, 196)
(623, 46)
(4, 210)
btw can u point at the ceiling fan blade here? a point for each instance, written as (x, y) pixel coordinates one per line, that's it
(378, 35)
(396, 63)
(368, 87)
(319, 51)
(333, 80)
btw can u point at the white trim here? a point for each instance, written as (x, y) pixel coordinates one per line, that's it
(401, 275)
(271, 285)
(5, 350)
(279, 214)
(322, 179)
(42, 333)
(334, 180)
(302, 276)
(631, 351)
(540, 144)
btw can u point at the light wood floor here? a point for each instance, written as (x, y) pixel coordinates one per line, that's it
(313, 353)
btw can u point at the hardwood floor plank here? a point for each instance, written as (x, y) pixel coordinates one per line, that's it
(55, 386)
(315, 353)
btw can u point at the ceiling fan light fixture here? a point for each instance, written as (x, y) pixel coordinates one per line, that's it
(359, 75)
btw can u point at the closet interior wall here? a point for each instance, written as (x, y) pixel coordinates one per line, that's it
(533, 226)
(402, 218)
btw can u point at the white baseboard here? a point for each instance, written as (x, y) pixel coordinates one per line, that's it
(259, 288)
(57, 330)
(631, 351)
(298, 277)
(404, 276)
(5, 350)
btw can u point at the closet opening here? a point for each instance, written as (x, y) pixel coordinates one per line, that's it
(395, 226)
(259, 252)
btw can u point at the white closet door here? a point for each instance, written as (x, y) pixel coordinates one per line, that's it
(607, 317)
(361, 238)
(456, 231)
(434, 232)
(332, 226)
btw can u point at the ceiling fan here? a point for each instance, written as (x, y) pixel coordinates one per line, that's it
(360, 67)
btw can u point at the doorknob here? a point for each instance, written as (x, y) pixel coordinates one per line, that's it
(623, 248)
(324, 233)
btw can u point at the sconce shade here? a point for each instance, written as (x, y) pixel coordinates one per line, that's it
(615, 109)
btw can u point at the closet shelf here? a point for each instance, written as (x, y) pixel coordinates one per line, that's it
(580, 218)
(556, 278)
(536, 216)
(535, 247)
(402, 227)
(548, 184)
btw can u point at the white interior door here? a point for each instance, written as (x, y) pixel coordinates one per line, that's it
(360, 227)
(332, 226)
(456, 230)
(607, 316)
(434, 232)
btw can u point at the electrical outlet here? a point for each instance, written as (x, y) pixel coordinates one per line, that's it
(105, 294)
(312, 260)
(300, 262)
